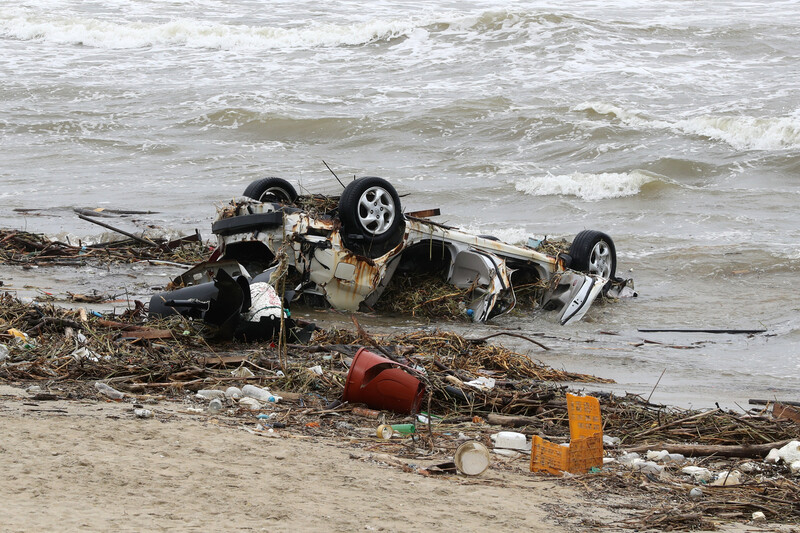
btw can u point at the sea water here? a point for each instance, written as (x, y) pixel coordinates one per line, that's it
(673, 127)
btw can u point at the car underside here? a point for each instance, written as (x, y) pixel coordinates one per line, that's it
(346, 251)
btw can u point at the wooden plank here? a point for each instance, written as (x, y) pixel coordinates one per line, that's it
(148, 334)
(425, 213)
(780, 410)
(223, 360)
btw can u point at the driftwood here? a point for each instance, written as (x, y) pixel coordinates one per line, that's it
(484, 339)
(512, 421)
(123, 232)
(677, 422)
(695, 450)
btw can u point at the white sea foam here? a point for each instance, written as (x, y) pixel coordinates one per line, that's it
(587, 186)
(509, 234)
(197, 34)
(741, 132)
(747, 133)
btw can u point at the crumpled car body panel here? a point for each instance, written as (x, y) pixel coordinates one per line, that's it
(314, 245)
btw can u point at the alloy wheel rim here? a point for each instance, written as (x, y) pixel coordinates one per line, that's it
(376, 210)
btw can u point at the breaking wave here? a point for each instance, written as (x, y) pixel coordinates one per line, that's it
(630, 117)
(747, 133)
(740, 132)
(197, 34)
(589, 187)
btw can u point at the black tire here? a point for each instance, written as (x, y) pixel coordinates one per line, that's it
(371, 216)
(271, 190)
(593, 252)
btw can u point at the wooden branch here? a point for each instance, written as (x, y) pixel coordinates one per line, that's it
(677, 422)
(512, 421)
(484, 339)
(695, 450)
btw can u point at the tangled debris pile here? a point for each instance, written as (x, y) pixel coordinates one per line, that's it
(476, 388)
(26, 249)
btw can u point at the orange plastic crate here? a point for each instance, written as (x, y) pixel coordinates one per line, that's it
(548, 456)
(585, 453)
(584, 416)
(585, 449)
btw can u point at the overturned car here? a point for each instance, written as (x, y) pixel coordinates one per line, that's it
(347, 250)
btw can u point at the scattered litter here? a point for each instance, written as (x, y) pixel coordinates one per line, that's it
(727, 479)
(773, 456)
(649, 467)
(511, 454)
(108, 391)
(250, 403)
(696, 493)
(524, 393)
(233, 393)
(143, 413)
(18, 335)
(471, 458)
(697, 473)
(3, 352)
(481, 383)
(585, 449)
(628, 459)
(404, 429)
(316, 370)
(214, 406)
(85, 353)
(790, 452)
(363, 411)
(257, 393)
(511, 440)
(758, 516)
(381, 383)
(209, 394)
(242, 372)
(656, 456)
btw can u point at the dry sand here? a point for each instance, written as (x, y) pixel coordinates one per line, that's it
(91, 465)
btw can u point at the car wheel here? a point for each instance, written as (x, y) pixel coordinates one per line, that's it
(271, 190)
(593, 252)
(370, 211)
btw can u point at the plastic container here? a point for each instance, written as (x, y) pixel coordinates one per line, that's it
(385, 432)
(511, 440)
(548, 456)
(363, 411)
(257, 393)
(585, 450)
(209, 394)
(234, 393)
(584, 416)
(382, 384)
(214, 406)
(108, 391)
(471, 458)
(404, 429)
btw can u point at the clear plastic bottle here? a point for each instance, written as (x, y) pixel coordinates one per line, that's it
(108, 391)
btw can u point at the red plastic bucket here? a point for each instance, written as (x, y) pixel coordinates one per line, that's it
(382, 384)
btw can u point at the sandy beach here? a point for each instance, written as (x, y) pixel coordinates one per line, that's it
(91, 465)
